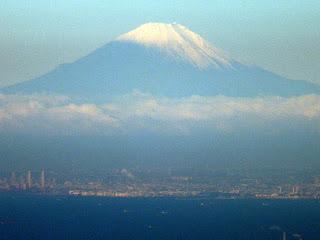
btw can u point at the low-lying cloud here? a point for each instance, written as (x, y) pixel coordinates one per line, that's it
(135, 112)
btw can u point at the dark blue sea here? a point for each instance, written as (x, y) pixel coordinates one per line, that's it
(51, 217)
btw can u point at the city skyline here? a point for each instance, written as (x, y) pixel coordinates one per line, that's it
(220, 184)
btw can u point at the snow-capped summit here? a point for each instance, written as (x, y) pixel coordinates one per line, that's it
(178, 42)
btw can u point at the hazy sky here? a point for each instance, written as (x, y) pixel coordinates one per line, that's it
(279, 35)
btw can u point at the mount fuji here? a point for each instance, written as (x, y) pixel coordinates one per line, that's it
(164, 60)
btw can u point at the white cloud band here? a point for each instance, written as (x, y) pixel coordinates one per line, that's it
(138, 111)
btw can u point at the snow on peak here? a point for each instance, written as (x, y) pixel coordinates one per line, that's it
(178, 42)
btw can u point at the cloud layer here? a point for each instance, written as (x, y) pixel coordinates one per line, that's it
(137, 112)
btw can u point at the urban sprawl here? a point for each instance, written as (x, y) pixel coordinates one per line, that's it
(268, 184)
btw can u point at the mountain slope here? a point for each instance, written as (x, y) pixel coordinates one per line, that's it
(162, 59)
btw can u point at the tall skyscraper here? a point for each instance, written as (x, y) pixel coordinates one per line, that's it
(295, 189)
(13, 180)
(42, 180)
(29, 179)
(284, 236)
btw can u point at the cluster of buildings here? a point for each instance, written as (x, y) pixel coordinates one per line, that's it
(27, 181)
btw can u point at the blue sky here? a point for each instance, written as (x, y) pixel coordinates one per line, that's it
(282, 36)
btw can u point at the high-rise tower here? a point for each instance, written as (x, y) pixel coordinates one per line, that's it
(42, 180)
(13, 180)
(284, 236)
(29, 179)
